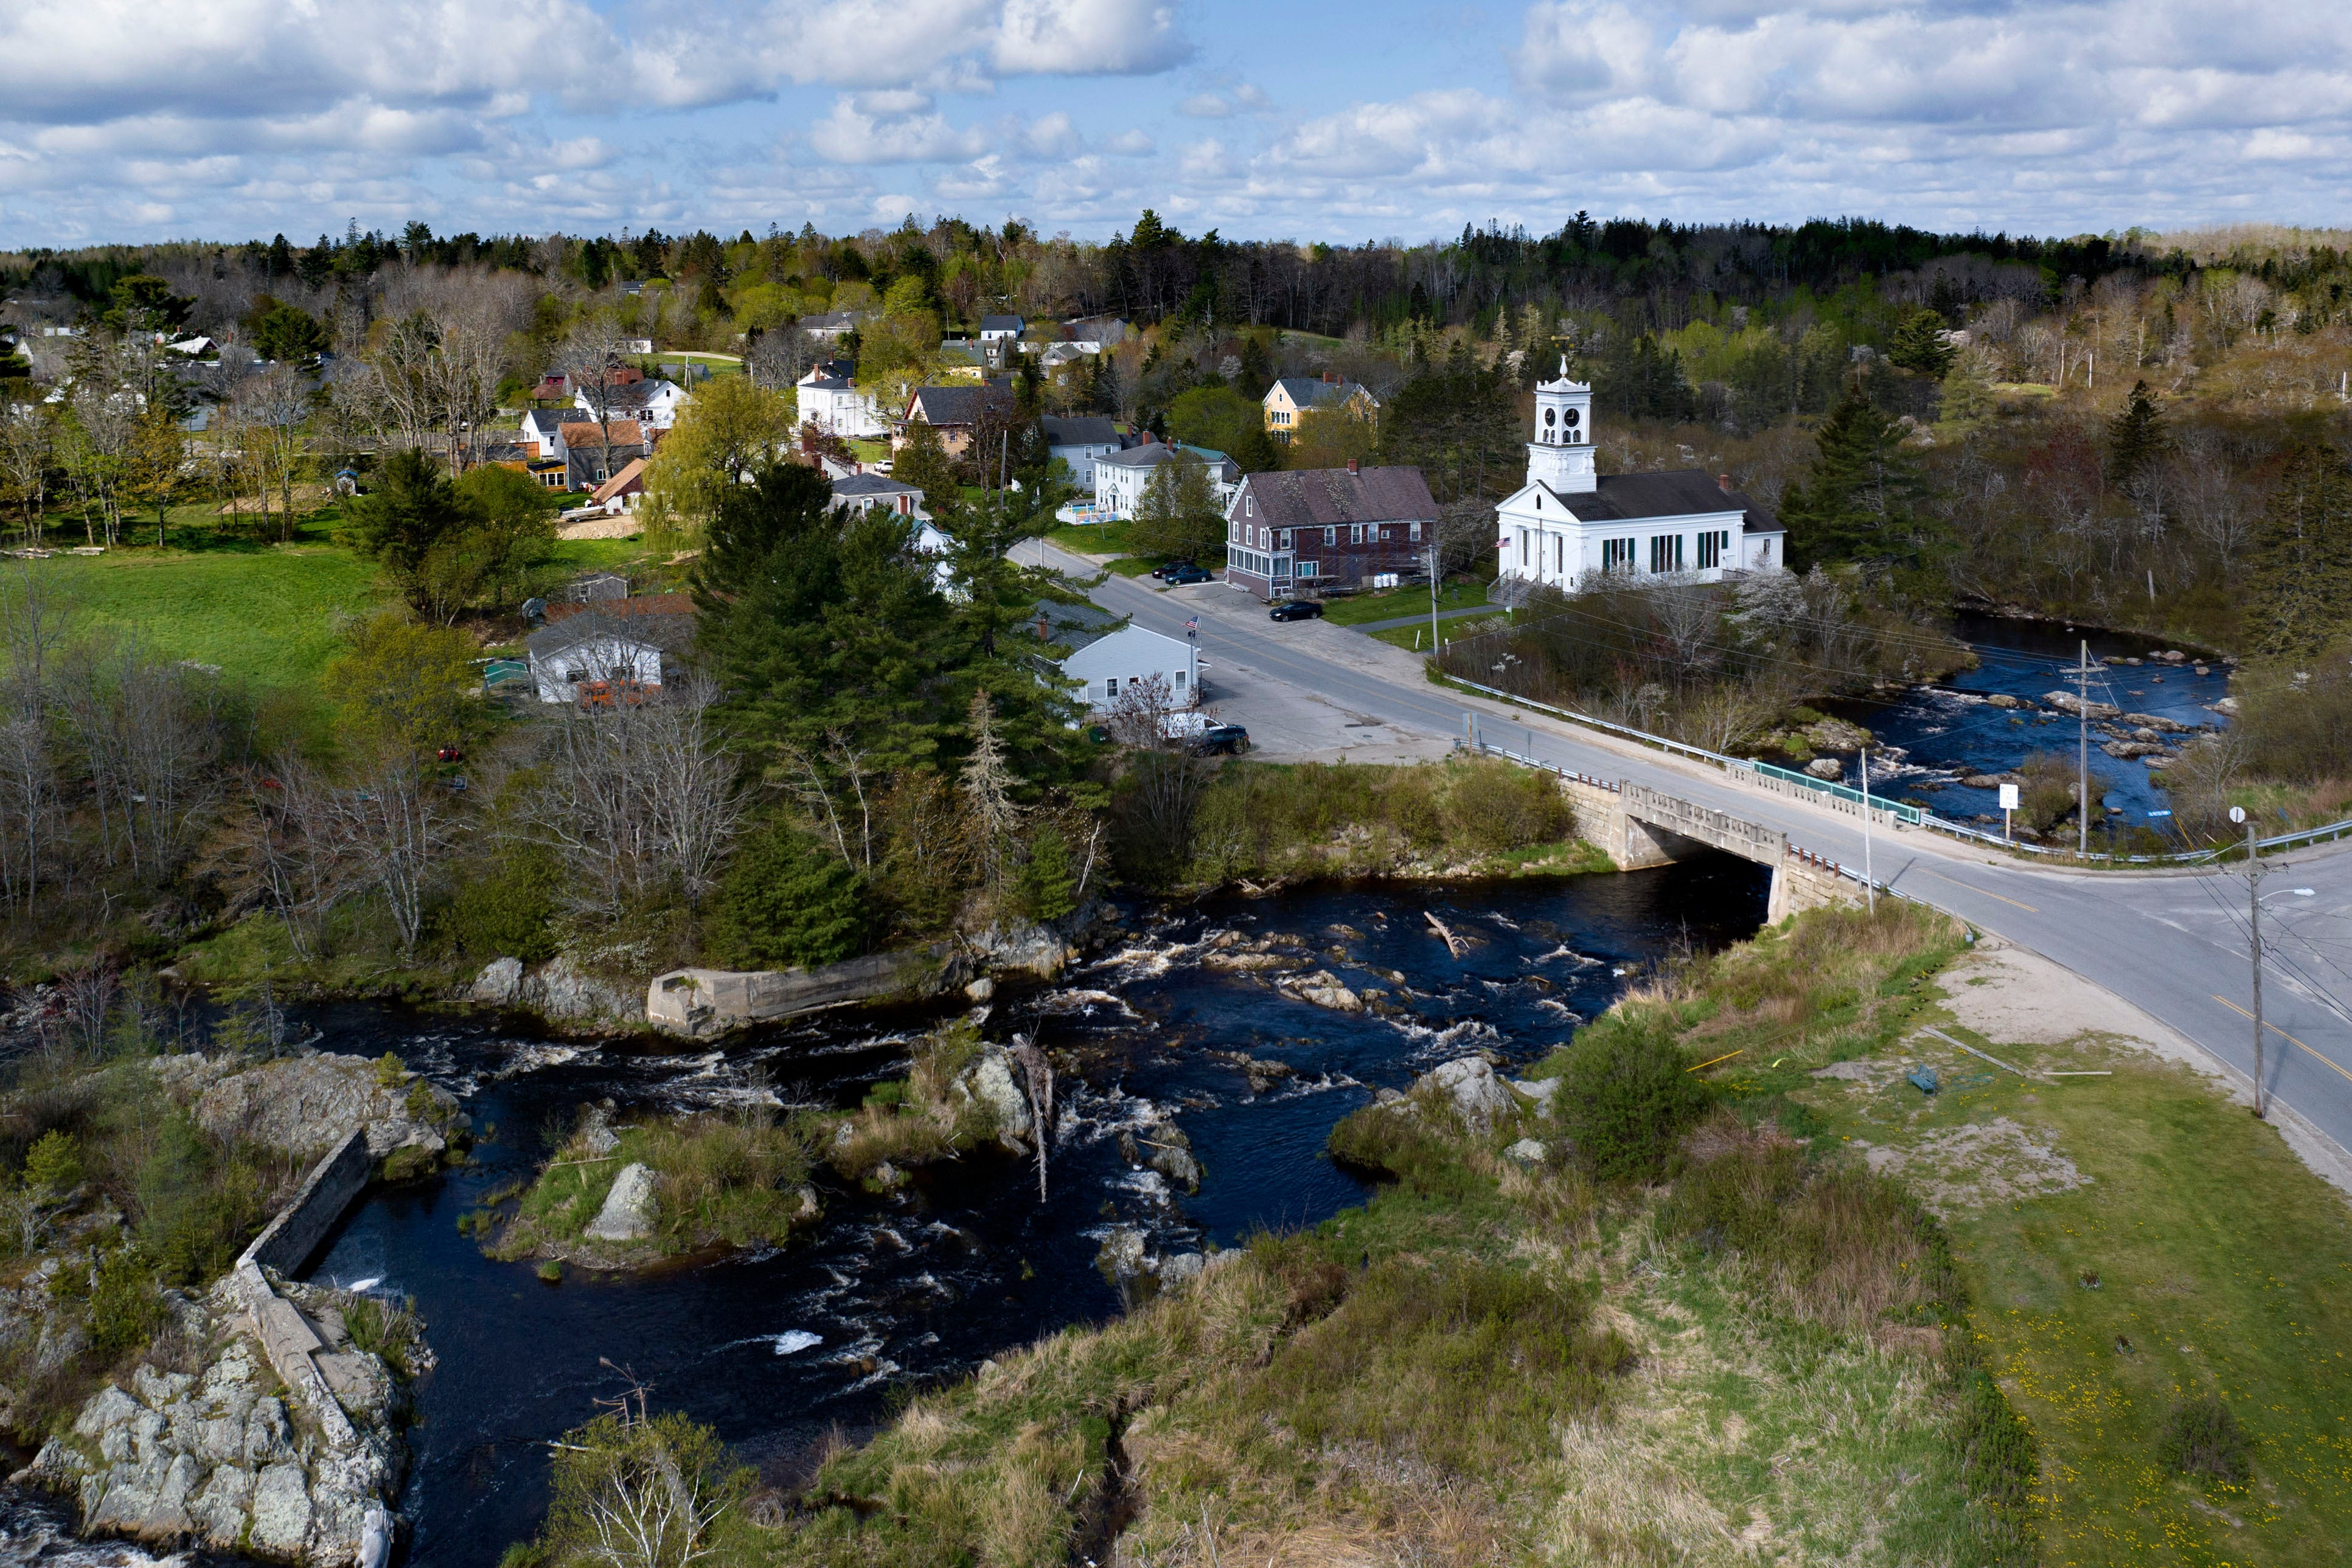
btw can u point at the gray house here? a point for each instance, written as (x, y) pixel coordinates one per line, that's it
(597, 660)
(1080, 441)
(1107, 656)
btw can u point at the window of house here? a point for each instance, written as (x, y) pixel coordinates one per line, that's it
(1523, 547)
(1616, 555)
(1330, 535)
(1307, 569)
(1180, 680)
(1710, 550)
(1355, 533)
(1110, 686)
(1414, 533)
(1249, 505)
(1667, 552)
(1283, 541)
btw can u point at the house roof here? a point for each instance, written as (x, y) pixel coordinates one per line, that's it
(1082, 431)
(1000, 323)
(1319, 497)
(1152, 453)
(625, 433)
(1685, 492)
(830, 321)
(1074, 626)
(959, 405)
(589, 623)
(632, 477)
(871, 485)
(1310, 391)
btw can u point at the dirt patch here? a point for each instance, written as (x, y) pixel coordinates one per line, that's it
(1973, 1167)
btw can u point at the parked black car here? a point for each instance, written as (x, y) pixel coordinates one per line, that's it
(1169, 569)
(1178, 576)
(1221, 740)
(1296, 610)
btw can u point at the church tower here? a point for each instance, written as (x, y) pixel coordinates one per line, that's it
(1561, 457)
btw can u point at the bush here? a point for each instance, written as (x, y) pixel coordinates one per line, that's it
(1401, 1140)
(1495, 806)
(53, 1167)
(1626, 1095)
(1046, 887)
(125, 1306)
(2201, 1437)
(785, 900)
(508, 912)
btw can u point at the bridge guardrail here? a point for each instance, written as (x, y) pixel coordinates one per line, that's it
(1913, 815)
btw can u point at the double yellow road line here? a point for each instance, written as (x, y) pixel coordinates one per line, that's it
(2282, 1034)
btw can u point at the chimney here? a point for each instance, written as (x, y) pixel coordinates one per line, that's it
(1724, 481)
(1330, 378)
(1040, 628)
(1352, 467)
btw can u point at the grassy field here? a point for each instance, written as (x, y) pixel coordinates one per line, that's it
(2135, 1241)
(265, 612)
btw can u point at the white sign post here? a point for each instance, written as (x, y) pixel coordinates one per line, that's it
(2008, 804)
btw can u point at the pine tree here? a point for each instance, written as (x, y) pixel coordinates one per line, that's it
(785, 900)
(2136, 437)
(2300, 589)
(988, 785)
(1858, 500)
(1919, 344)
(922, 462)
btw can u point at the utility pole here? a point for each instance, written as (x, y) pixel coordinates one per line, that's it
(2254, 931)
(2082, 756)
(1432, 601)
(1869, 881)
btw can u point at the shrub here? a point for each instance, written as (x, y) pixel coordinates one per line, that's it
(1401, 1141)
(1495, 806)
(1625, 1096)
(1046, 885)
(785, 900)
(125, 1306)
(2201, 1437)
(510, 912)
(53, 1165)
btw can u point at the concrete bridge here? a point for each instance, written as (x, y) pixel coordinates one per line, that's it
(1641, 827)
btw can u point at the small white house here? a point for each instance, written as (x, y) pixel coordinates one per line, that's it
(863, 491)
(1120, 476)
(1000, 329)
(542, 432)
(837, 405)
(653, 404)
(596, 659)
(1107, 656)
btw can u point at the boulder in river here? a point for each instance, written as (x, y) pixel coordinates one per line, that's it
(1825, 767)
(2068, 702)
(628, 1212)
(500, 984)
(995, 1082)
(1324, 989)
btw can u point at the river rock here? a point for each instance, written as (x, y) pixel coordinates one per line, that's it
(982, 989)
(565, 991)
(1121, 1254)
(2002, 699)
(499, 984)
(2227, 708)
(1527, 1154)
(306, 1104)
(628, 1212)
(999, 1084)
(2068, 702)
(1324, 990)
(1168, 1151)
(1038, 950)
(1825, 767)
(1836, 735)
(2157, 721)
(1181, 1268)
(1476, 1092)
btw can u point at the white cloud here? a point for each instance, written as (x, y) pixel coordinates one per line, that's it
(890, 128)
(1088, 37)
(1204, 106)
(1130, 144)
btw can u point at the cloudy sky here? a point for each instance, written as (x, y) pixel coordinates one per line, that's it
(128, 120)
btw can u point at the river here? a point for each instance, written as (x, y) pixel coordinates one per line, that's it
(1937, 736)
(779, 1349)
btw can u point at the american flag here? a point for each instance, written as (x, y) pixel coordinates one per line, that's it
(1194, 624)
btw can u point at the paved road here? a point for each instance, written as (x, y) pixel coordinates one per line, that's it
(2172, 942)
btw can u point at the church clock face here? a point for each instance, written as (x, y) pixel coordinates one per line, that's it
(1549, 415)
(1568, 418)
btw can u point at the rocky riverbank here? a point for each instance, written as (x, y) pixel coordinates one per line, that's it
(203, 1443)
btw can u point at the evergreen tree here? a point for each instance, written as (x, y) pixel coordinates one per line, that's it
(2300, 589)
(786, 900)
(2136, 437)
(1858, 501)
(413, 508)
(1646, 381)
(923, 463)
(1919, 344)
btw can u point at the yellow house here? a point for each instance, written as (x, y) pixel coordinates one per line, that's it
(1292, 396)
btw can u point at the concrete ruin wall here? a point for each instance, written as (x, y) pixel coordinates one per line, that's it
(286, 1335)
(697, 1002)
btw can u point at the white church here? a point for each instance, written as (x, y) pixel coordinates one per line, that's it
(1568, 523)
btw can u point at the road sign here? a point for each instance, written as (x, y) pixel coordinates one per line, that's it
(2009, 797)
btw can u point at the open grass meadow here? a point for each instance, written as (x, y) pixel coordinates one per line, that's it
(267, 613)
(2140, 1248)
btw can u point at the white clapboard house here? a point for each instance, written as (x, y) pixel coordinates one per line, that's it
(1568, 524)
(1106, 655)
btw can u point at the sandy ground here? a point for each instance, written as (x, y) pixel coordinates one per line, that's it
(2007, 993)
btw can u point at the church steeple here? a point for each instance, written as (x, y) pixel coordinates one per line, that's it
(1560, 456)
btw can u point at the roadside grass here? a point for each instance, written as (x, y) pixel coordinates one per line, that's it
(2197, 1259)
(1093, 539)
(1493, 1361)
(1354, 609)
(1263, 821)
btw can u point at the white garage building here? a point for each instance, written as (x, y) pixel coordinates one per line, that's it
(1110, 656)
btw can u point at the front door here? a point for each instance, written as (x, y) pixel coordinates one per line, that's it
(1282, 576)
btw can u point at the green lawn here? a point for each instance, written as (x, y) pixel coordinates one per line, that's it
(265, 612)
(1386, 605)
(2196, 1257)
